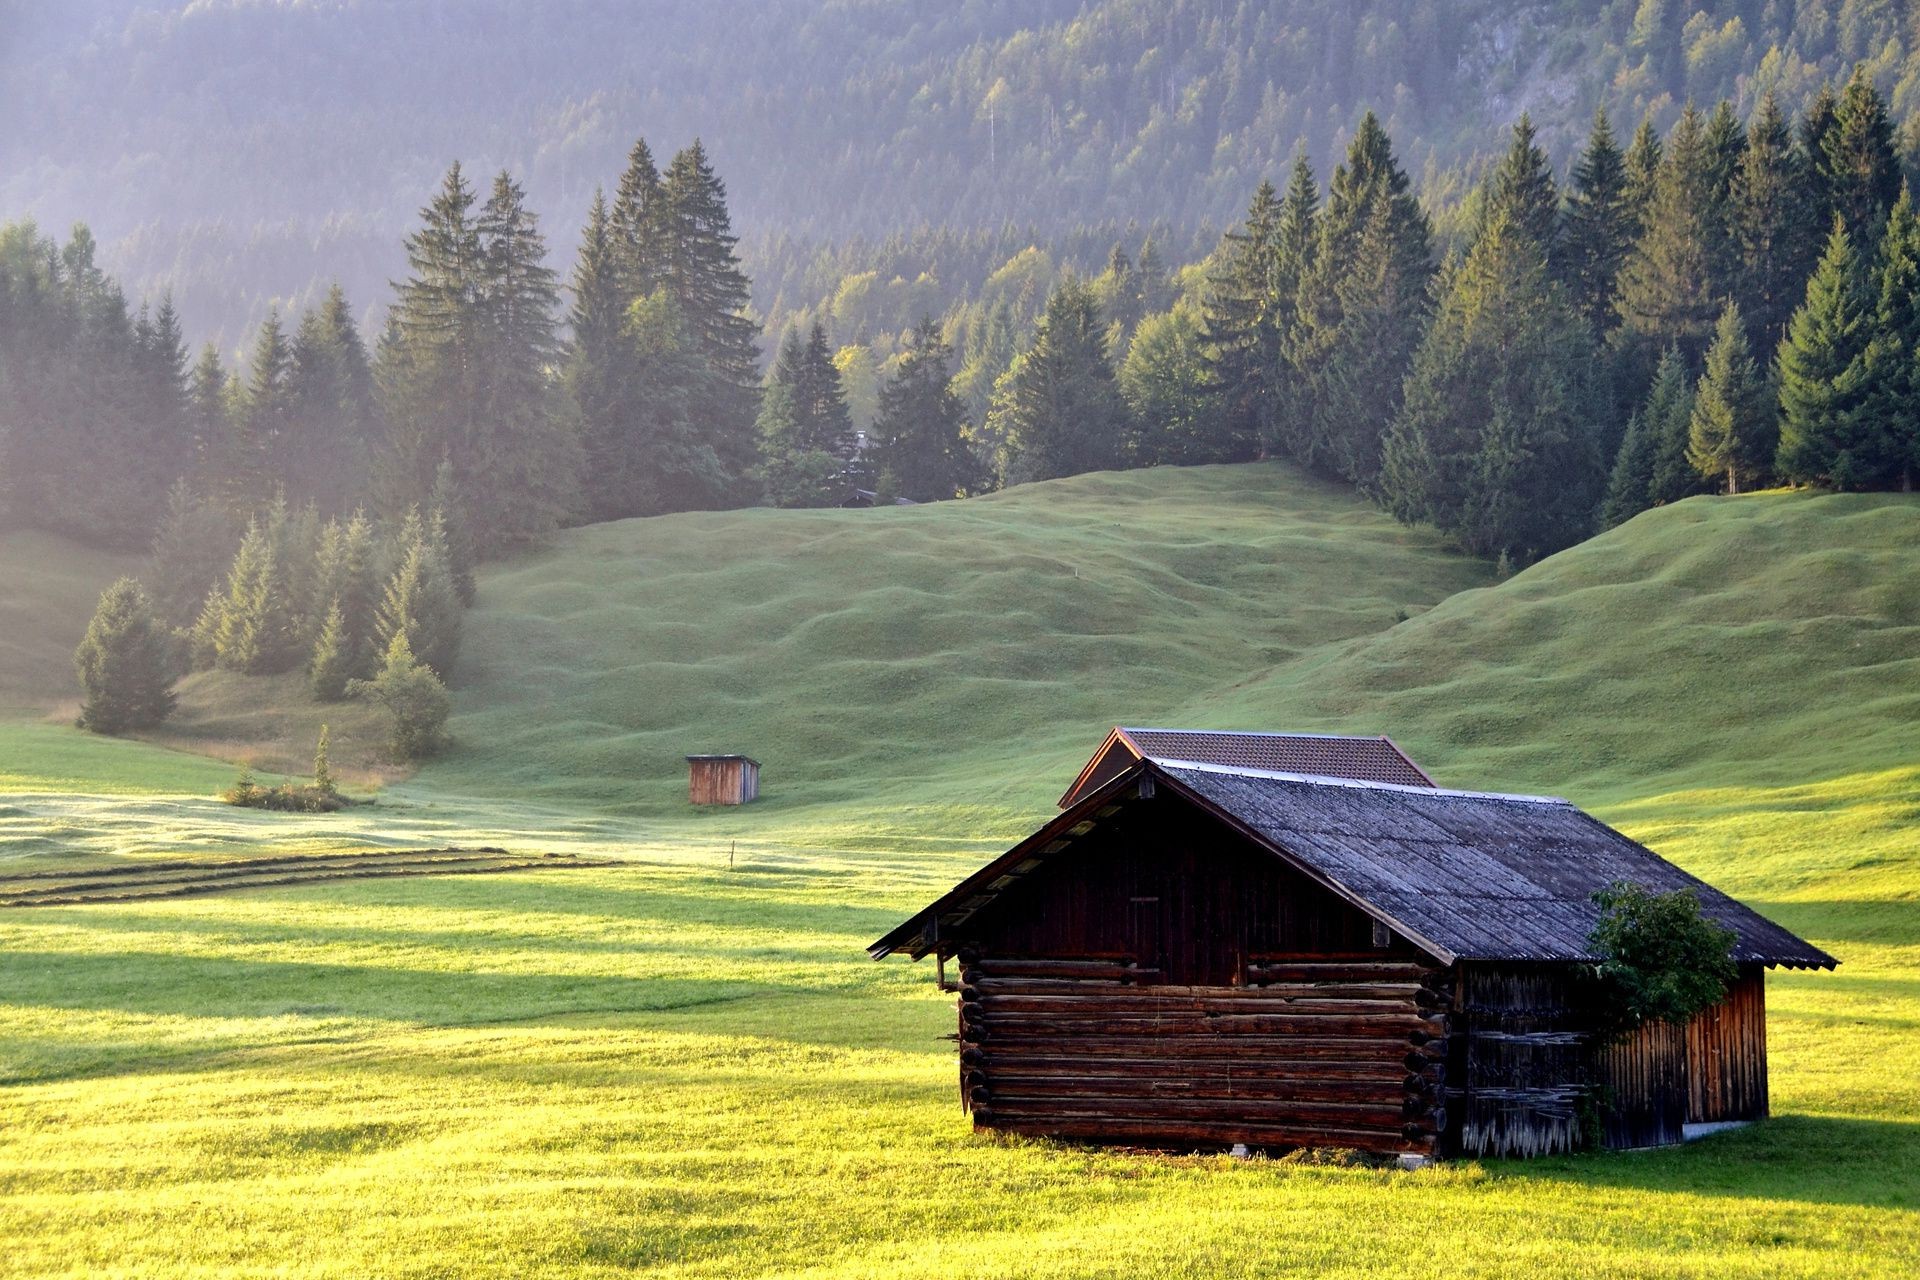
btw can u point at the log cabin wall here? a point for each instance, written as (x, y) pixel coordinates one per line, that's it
(1519, 1077)
(1168, 984)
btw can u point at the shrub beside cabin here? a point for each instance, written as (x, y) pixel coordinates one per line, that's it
(1204, 954)
(722, 779)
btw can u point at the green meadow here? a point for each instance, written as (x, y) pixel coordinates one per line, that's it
(683, 1064)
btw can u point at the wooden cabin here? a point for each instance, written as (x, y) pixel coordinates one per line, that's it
(1323, 755)
(1198, 956)
(722, 779)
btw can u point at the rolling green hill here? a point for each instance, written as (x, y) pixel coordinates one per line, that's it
(678, 1067)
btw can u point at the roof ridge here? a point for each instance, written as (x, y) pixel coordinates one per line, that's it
(1259, 733)
(1361, 783)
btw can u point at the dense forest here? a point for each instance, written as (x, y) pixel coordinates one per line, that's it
(246, 154)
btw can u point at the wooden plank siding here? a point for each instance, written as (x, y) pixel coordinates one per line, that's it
(722, 780)
(1727, 1055)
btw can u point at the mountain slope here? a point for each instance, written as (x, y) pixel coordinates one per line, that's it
(246, 151)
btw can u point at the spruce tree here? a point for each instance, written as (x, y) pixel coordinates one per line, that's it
(1521, 187)
(1857, 161)
(125, 672)
(1242, 327)
(1495, 442)
(1733, 431)
(1644, 473)
(1816, 127)
(1060, 412)
(599, 371)
(419, 605)
(255, 628)
(331, 664)
(1770, 226)
(1295, 244)
(701, 272)
(269, 412)
(330, 415)
(1363, 306)
(1600, 227)
(1827, 434)
(1668, 293)
(192, 548)
(207, 417)
(919, 433)
(1641, 170)
(636, 227)
(414, 698)
(1893, 354)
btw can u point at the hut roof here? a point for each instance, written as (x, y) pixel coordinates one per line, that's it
(1461, 874)
(725, 755)
(1320, 754)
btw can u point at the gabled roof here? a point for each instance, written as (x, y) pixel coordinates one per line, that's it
(1320, 754)
(1463, 875)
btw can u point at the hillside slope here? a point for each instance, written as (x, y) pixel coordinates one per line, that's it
(954, 654)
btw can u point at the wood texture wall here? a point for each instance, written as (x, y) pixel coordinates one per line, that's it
(1323, 1051)
(722, 781)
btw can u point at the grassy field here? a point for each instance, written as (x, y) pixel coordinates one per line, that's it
(678, 1067)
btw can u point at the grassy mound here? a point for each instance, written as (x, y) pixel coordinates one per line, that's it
(950, 659)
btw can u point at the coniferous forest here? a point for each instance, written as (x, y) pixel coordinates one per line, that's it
(1726, 305)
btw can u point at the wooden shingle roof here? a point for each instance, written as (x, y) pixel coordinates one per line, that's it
(1462, 875)
(1320, 754)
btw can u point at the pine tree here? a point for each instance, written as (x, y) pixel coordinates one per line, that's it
(1668, 294)
(125, 672)
(1060, 412)
(1733, 431)
(1600, 227)
(1726, 148)
(255, 628)
(1770, 225)
(1242, 330)
(207, 416)
(330, 414)
(1296, 242)
(1495, 442)
(1638, 477)
(331, 664)
(419, 605)
(701, 272)
(414, 698)
(1826, 432)
(1816, 127)
(269, 407)
(599, 371)
(1893, 355)
(1362, 307)
(1641, 170)
(807, 432)
(192, 548)
(169, 452)
(1521, 187)
(636, 227)
(919, 432)
(1857, 161)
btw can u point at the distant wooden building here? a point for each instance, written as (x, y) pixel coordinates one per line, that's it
(722, 779)
(1324, 755)
(1196, 955)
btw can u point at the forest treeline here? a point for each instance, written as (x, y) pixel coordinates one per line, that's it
(1728, 305)
(246, 152)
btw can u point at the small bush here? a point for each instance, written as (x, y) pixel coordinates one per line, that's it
(416, 702)
(284, 798)
(1663, 960)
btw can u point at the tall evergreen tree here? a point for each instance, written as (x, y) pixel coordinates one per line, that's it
(1495, 442)
(1816, 127)
(1242, 328)
(1893, 354)
(701, 272)
(1296, 243)
(1770, 225)
(1164, 381)
(1521, 187)
(1666, 416)
(1642, 172)
(919, 433)
(1668, 291)
(330, 434)
(420, 605)
(1734, 430)
(207, 415)
(125, 671)
(599, 372)
(636, 226)
(1857, 161)
(1600, 227)
(251, 625)
(1060, 412)
(1363, 307)
(1827, 432)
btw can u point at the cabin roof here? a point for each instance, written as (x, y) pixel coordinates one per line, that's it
(1463, 875)
(725, 756)
(1377, 759)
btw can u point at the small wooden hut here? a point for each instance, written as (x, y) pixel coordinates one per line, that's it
(1324, 755)
(722, 779)
(1193, 955)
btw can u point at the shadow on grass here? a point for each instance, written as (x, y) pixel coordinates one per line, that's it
(1816, 1159)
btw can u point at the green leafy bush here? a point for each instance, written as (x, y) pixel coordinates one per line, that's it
(416, 702)
(1663, 960)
